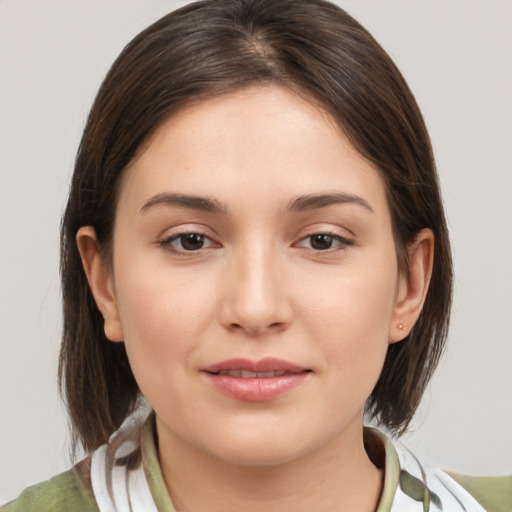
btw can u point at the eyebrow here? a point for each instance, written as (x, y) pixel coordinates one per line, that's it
(204, 204)
(211, 205)
(317, 201)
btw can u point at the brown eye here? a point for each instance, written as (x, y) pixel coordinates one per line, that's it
(321, 241)
(183, 243)
(324, 242)
(191, 241)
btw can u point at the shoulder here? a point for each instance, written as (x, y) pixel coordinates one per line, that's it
(446, 490)
(493, 493)
(70, 490)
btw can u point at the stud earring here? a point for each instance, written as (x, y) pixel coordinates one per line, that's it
(401, 326)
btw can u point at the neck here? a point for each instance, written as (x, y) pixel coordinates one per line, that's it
(339, 477)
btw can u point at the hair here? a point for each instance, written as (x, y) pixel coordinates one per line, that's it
(213, 47)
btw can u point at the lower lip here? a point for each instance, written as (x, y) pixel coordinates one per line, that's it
(256, 389)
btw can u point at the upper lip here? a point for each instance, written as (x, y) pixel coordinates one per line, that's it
(267, 364)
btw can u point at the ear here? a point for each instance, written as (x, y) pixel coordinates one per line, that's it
(412, 288)
(100, 280)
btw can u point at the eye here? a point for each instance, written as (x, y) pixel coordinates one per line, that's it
(186, 242)
(324, 241)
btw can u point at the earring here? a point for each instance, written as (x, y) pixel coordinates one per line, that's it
(401, 327)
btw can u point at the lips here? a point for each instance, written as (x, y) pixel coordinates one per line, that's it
(256, 381)
(247, 374)
(268, 364)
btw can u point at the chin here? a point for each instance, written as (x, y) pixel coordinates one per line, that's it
(261, 455)
(259, 448)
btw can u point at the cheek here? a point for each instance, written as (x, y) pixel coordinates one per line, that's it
(350, 315)
(357, 300)
(163, 316)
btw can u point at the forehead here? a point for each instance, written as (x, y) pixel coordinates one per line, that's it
(260, 140)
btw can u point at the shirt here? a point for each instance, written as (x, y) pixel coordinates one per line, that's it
(125, 475)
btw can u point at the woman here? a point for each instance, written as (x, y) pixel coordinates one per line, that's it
(255, 242)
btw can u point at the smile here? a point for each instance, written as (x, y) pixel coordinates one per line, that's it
(256, 381)
(247, 374)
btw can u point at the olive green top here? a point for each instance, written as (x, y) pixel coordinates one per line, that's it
(408, 485)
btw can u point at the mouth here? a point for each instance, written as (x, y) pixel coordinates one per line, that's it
(247, 374)
(267, 365)
(256, 381)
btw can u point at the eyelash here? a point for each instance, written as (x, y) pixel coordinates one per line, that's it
(341, 242)
(167, 243)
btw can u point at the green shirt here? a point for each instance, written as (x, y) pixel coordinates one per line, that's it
(408, 485)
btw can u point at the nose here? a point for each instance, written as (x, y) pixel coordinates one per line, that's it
(255, 300)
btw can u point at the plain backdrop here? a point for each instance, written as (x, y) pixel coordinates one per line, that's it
(457, 57)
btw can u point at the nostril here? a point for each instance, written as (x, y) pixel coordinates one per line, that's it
(257, 329)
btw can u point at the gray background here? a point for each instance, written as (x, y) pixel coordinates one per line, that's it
(457, 57)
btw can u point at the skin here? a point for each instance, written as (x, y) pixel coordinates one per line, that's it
(258, 286)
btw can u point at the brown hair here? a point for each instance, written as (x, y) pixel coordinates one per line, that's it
(216, 46)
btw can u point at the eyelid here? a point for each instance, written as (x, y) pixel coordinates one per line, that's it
(326, 228)
(185, 228)
(344, 241)
(164, 241)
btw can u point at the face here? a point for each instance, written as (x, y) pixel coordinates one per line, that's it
(255, 279)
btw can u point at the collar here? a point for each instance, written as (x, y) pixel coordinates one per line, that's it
(126, 475)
